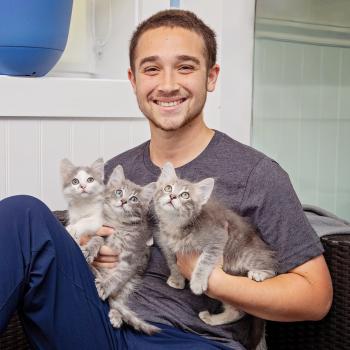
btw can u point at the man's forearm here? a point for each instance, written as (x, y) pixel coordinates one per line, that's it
(304, 293)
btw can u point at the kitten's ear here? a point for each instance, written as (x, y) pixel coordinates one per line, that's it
(205, 188)
(148, 191)
(98, 167)
(117, 174)
(66, 169)
(168, 172)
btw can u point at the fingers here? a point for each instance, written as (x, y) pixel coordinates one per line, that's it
(106, 265)
(105, 231)
(84, 239)
(107, 251)
(107, 258)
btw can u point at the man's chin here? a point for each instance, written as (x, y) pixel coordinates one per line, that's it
(170, 125)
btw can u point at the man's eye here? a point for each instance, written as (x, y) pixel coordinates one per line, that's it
(151, 70)
(186, 69)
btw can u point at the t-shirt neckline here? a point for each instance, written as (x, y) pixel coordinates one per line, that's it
(156, 170)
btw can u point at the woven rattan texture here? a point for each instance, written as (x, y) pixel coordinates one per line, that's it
(333, 332)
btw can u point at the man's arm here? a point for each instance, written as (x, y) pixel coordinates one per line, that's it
(303, 293)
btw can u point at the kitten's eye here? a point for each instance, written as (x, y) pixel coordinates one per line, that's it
(185, 195)
(133, 199)
(118, 193)
(90, 179)
(168, 188)
(75, 181)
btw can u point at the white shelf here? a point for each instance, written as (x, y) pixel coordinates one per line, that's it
(67, 97)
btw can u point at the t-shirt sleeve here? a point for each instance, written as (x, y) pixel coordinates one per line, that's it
(273, 207)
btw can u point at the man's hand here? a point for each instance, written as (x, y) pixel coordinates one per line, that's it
(187, 262)
(107, 258)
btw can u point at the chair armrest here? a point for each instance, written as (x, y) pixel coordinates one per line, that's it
(333, 332)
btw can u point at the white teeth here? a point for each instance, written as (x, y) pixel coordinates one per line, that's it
(168, 104)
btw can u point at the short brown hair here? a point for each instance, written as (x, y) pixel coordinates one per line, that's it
(176, 18)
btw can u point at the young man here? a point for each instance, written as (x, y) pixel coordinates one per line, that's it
(172, 67)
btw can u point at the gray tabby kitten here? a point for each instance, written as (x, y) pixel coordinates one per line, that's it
(190, 221)
(83, 189)
(125, 209)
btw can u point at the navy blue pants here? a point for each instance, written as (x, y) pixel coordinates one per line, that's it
(44, 276)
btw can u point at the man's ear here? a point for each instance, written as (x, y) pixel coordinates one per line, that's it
(212, 77)
(132, 79)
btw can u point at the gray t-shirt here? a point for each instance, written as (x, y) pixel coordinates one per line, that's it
(251, 184)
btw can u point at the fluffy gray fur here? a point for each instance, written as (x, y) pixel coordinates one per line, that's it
(83, 189)
(125, 209)
(191, 221)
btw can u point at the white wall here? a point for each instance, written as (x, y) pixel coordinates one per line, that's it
(88, 110)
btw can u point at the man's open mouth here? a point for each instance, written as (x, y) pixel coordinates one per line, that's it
(169, 103)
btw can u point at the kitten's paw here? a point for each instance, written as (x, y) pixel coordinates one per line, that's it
(101, 289)
(115, 318)
(260, 275)
(72, 229)
(176, 282)
(205, 316)
(198, 287)
(87, 255)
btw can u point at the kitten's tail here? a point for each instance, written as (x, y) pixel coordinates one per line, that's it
(133, 320)
(257, 335)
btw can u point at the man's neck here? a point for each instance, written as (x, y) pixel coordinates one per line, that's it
(181, 146)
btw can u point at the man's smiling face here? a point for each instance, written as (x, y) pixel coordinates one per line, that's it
(171, 78)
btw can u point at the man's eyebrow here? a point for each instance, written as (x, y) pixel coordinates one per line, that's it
(188, 58)
(150, 59)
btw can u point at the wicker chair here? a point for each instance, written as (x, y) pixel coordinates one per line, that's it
(333, 332)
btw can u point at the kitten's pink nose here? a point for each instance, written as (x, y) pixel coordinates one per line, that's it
(172, 196)
(123, 201)
(83, 187)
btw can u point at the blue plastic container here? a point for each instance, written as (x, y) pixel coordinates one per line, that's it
(33, 35)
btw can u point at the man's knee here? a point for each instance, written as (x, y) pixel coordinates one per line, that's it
(17, 205)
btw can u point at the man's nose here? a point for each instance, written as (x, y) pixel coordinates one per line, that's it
(168, 83)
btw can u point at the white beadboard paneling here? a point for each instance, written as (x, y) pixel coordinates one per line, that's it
(117, 137)
(56, 141)
(24, 163)
(86, 142)
(140, 132)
